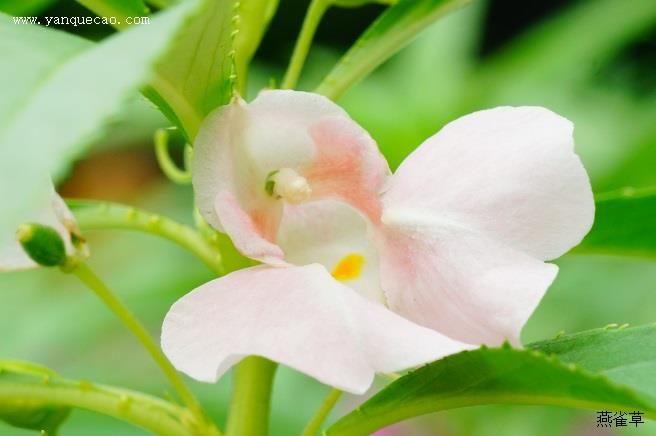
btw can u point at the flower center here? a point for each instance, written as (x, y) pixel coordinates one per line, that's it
(349, 267)
(288, 185)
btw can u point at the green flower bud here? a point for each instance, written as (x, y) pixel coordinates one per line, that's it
(42, 243)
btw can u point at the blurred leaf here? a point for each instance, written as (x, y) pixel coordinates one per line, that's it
(625, 225)
(56, 100)
(40, 400)
(572, 43)
(120, 9)
(24, 7)
(592, 370)
(390, 32)
(33, 415)
(426, 79)
(196, 75)
(637, 168)
(358, 3)
(254, 17)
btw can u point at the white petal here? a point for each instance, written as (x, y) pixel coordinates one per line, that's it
(297, 316)
(327, 231)
(509, 173)
(212, 164)
(458, 282)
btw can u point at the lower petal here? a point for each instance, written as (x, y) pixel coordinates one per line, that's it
(300, 317)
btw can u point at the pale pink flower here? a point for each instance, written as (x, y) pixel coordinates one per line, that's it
(446, 254)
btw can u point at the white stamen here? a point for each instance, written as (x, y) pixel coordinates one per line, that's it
(290, 186)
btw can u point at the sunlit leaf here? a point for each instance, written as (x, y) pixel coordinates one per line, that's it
(600, 369)
(201, 68)
(56, 100)
(625, 225)
(395, 28)
(198, 72)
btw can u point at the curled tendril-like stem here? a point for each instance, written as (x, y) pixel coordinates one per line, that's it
(170, 169)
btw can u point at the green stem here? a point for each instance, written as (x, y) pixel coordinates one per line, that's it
(87, 276)
(94, 215)
(153, 414)
(310, 24)
(167, 165)
(251, 397)
(322, 413)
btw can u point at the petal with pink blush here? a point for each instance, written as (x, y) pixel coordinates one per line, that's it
(348, 166)
(251, 232)
(508, 173)
(459, 282)
(320, 150)
(297, 316)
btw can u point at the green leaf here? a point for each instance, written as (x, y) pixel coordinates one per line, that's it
(24, 7)
(120, 9)
(395, 28)
(627, 356)
(562, 47)
(197, 73)
(57, 100)
(35, 397)
(603, 369)
(33, 415)
(625, 225)
(200, 70)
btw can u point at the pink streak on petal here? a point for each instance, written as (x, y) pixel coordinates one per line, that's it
(250, 232)
(348, 165)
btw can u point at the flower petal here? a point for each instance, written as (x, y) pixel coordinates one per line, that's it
(509, 173)
(328, 232)
(240, 146)
(348, 166)
(250, 232)
(298, 316)
(461, 283)
(240, 143)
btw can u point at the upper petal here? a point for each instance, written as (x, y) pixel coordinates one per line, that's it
(459, 282)
(509, 173)
(241, 146)
(298, 316)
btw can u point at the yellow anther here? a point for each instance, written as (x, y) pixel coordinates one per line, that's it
(349, 267)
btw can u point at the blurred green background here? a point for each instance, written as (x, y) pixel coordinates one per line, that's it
(593, 61)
